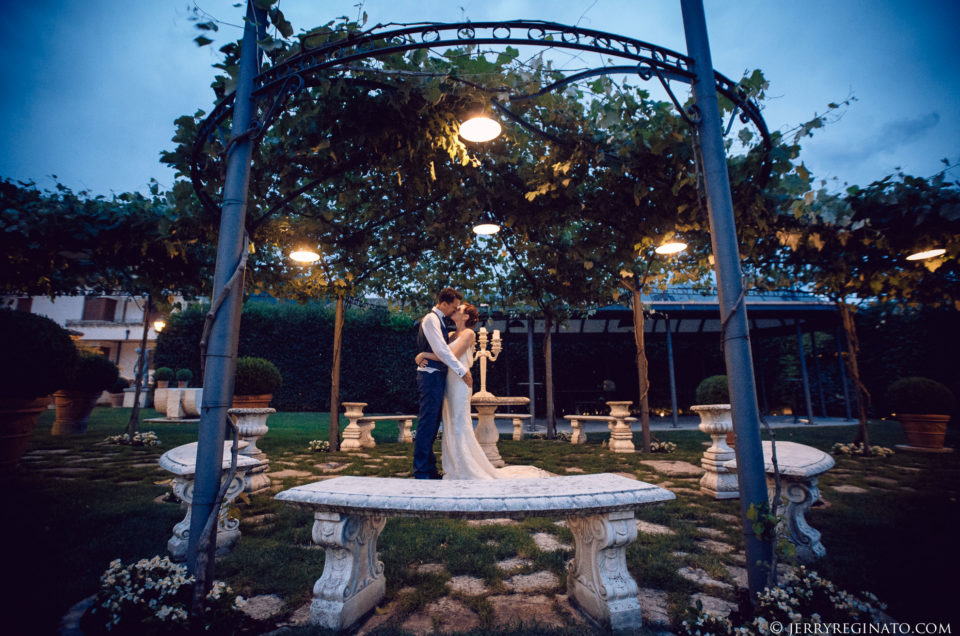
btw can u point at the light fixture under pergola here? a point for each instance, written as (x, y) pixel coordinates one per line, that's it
(158, 325)
(924, 255)
(480, 128)
(673, 247)
(305, 256)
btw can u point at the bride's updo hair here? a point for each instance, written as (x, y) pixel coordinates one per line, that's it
(472, 315)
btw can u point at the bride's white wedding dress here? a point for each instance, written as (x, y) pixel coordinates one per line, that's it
(462, 457)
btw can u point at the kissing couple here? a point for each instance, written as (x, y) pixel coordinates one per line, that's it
(445, 386)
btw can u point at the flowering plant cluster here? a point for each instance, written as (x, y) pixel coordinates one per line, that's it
(318, 446)
(152, 596)
(662, 447)
(147, 438)
(804, 598)
(859, 449)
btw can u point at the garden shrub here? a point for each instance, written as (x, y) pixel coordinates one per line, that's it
(256, 376)
(922, 396)
(92, 373)
(36, 355)
(713, 390)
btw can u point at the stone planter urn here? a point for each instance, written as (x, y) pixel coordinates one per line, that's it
(251, 426)
(719, 482)
(924, 433)
(18, 418)
(73, 411)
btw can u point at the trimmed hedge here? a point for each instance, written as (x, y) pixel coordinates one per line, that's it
(713, 390)
(921, 396)
(376, 363)
(37, 355)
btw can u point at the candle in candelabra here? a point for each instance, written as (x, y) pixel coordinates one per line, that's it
(496, 334)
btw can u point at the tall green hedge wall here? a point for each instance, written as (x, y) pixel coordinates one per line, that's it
(377, 361)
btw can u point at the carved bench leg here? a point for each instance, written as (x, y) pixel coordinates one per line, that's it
(578, 436)
(799, 495)
(517, 429)
(366, 434)
(598, 579)
(228, 530)
(352, 582)
(404, 435)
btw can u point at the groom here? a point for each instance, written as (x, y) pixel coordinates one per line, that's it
(432, 379)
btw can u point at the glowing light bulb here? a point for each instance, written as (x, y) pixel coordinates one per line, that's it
(305, 256)
(486, 229)
(921, 256)
(671, 248)
(480, 128)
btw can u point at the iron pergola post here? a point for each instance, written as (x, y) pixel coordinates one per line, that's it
(735, 335)
(221, 354)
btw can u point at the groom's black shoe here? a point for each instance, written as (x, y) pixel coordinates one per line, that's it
(436, 476)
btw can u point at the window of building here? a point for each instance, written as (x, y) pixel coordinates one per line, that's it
(98, 308)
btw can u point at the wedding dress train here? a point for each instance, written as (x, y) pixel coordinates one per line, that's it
(462, 457)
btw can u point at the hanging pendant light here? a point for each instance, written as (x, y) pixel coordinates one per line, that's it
(673, 247)
(305, 256)
(486, 225)
(480, 128)
(924, 255)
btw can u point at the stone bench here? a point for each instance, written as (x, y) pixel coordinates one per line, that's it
(800, 466)
(182, 463)
(350, 512)
(516, 419)
(358, 434)
(621, 435)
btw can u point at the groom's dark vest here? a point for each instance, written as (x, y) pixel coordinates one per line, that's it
(424, 347)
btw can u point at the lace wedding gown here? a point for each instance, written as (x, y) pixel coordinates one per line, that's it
(462, 457)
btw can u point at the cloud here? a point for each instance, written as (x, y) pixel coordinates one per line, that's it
(904, 131)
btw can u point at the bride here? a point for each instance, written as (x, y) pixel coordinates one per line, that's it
(462, 456)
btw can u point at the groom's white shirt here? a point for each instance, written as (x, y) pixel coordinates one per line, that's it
(433, 330)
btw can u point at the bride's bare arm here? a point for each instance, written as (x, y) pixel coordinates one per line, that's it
(464, 341)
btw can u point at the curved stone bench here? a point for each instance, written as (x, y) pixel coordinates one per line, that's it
(182, 463)
(800, 466)
(350, 512)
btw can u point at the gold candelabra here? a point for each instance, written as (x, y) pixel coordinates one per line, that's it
(496, 346)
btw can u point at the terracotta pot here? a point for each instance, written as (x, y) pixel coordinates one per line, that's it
(18, 417)
(73, 411)
(116, 400)
(182, 384)
(252, 401)
(924, 431)
(162, 384)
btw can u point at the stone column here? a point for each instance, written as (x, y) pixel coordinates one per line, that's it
(621, 437)
(719, 482)
(577, 436)
(598, 579)
(487, 434)
(350, 440)
(352, 582)
(403, 430)
(251, 426)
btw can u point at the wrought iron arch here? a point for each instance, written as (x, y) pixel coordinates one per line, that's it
(274, 86)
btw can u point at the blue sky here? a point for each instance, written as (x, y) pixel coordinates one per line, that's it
(91, 88)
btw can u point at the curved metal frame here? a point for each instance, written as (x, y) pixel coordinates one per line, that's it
(649, 60)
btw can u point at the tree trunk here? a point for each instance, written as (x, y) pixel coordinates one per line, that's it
(642, 372)
(335, 377)
(134, 422)
(548, 375)
(863, 396)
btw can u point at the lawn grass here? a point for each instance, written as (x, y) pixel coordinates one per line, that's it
(70, 511)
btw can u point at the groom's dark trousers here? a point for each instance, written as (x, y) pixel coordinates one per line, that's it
(431, 387)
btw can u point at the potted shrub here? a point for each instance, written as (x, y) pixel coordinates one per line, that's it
(255, 383)
(713, 404)
(162, 376)
(183, 378)
(923, 407)
(116, 391)
(36, 357)
(92, 375)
